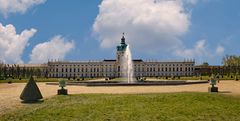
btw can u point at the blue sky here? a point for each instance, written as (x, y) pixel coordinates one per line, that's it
(205, 30)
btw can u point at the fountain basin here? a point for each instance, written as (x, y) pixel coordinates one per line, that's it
(124, 83)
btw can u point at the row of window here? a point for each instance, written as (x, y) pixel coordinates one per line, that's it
(117, 75)
(162, 65)
(112, 69)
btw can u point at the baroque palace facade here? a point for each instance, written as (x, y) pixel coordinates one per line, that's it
(113, 68)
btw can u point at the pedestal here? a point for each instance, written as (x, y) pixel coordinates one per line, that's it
(212, 89)
(62, 92)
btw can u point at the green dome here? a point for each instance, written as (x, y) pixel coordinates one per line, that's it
(123, 45)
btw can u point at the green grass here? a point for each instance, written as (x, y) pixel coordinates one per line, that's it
(115, 79)
(197, 78)
(206, 78)
(25, 80)
(41, 80)
(138, 107)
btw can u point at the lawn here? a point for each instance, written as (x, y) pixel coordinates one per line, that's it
(138, 107)
(115, 79)
(41, 80)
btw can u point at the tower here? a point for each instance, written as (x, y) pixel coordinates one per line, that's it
(121, 49)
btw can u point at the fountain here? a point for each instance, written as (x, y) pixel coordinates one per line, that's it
(127, 65)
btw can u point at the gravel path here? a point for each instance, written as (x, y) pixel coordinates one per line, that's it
(9, 93)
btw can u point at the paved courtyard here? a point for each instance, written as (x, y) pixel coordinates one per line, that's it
(9, 93)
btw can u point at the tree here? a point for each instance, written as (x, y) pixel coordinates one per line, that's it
(205, 64)
(38, 72)
(18, 71)
(231, 64)
(1, 70)
(5, 71)
(23, 72)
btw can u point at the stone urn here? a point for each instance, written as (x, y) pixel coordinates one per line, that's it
(213, 82)
(62, 91)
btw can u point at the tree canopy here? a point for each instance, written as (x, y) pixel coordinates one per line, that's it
(231, 60)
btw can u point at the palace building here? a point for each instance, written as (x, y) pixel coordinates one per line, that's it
(113, 68)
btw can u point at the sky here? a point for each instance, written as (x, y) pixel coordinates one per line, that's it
(35, 31)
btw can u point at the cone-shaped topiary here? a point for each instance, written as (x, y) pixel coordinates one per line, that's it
(31, 92)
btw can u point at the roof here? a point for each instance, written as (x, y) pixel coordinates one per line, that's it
(109, 60)
(138, 60)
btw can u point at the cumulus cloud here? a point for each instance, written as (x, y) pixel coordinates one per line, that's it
(220, 50)
(15, 6)
(200, 50)
(56, 48)
(147, 23)
(12, 44)
(193, 2)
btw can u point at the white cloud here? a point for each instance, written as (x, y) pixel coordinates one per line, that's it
(150, 26)
(15, 6)
(12, 44)
(56, 48)
(220, 50)
(199, 50)
(193, 2)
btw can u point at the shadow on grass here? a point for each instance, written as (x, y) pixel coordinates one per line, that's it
(33, 102)
(224, 92)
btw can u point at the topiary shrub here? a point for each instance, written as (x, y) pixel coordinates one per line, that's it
(31, 92)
